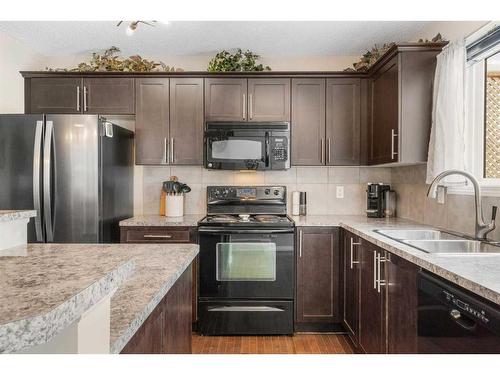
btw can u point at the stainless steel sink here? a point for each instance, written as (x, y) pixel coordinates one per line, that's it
(416, 234)
(438, 242)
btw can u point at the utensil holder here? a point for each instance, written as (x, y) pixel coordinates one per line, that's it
(174, 205)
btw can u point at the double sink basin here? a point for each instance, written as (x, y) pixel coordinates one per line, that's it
(439, 242)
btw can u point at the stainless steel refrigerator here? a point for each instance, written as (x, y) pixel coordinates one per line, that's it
(76, 171)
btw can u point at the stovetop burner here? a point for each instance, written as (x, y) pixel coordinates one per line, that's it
(247, 219)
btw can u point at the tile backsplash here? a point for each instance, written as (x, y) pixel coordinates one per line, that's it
(456, 214)
(319, 182)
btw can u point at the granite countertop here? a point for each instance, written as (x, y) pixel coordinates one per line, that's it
(162, 221)
(478, 273)
(46, 287)
(9, 215)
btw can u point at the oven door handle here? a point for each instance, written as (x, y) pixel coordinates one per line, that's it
(246, 308)
(244, 231)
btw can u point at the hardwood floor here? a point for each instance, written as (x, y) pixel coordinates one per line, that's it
(298, 344)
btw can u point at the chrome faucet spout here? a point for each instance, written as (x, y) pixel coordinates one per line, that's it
(482, 229)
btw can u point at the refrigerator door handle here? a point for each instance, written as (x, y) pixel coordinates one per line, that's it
(37, 153)
(47, 180)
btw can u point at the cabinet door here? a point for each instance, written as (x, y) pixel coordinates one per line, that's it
(151, 121)
(308, 121)
(383, 127)
(318, 272)
(186, 121)
(343, 133)
(269, 99)
(225, 99)
(54, 95)
(371, 322)
(108, 96)
(351, 284)
(177, 322)
(402, 304)
(148, 338)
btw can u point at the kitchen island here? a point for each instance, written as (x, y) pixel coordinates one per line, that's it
(91, 298)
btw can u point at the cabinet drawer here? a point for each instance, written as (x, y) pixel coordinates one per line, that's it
(157, 235)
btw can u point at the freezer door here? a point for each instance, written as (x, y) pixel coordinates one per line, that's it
(20, 169)
(71, 178)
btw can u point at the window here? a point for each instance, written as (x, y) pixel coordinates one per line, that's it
(492, 117)
(482, 110)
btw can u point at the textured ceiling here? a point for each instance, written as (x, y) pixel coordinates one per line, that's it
(280, 38)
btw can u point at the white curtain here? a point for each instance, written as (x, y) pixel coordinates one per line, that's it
(447, 143)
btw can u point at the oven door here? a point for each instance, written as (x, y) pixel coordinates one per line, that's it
(246, 263)
(236, 151)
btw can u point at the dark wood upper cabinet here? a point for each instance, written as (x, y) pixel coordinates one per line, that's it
(152, 121)
(269, 99)
(53, 95)
(108, 96)
(318, 271)
(343, 125)
(400, 102)
(351, 265)
(226, 99)
(372, 320)
(402, 304)
(186, 121)
(383, 127)
(308, 121)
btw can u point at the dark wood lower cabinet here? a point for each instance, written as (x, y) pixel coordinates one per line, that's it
(166, 234)
(380, 298)
(167, 330)
(371, 314)
(318, 277)
(351, 264)
(401, 305)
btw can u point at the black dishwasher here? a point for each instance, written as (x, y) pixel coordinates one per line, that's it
(452, 320)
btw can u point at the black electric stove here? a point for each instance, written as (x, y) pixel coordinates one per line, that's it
(246, 262)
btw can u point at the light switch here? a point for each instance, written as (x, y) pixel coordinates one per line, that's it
(340, 192)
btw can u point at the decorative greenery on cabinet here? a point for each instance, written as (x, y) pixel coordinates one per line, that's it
(109, 61)
(240, 61)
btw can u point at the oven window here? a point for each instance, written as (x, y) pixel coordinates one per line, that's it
(237, 149)
(246, 261)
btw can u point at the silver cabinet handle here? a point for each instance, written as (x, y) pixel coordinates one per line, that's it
(78, 98)
(375, 276)
(157, 236)
(165, 150)
(380, 282)
(353, 262)
(244, 112)
(37, 153)
(246, 308)
(172, 150)
(300, 243)
(48, 176)
(322, 151)
(328, 150)
(85, 99)
(250, 103)
(393, 135)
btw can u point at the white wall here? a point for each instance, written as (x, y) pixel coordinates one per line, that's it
(451, 30)
(15, 56)
(200, 63)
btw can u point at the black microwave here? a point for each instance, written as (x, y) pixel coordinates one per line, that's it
(245, 145)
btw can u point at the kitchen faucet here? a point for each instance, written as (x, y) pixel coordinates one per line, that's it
(482, 229)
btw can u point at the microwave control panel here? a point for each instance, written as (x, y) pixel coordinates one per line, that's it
(280, 151)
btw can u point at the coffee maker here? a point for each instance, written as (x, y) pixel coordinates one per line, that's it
(375, 199)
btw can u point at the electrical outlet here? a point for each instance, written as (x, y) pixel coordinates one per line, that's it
(340, 192)
(441, 194)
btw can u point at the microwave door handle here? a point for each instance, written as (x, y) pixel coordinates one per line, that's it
(267, 149)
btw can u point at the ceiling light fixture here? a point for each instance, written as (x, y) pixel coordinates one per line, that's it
(132, 27)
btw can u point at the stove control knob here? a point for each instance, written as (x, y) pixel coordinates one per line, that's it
(276, 192)
(267, 191)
